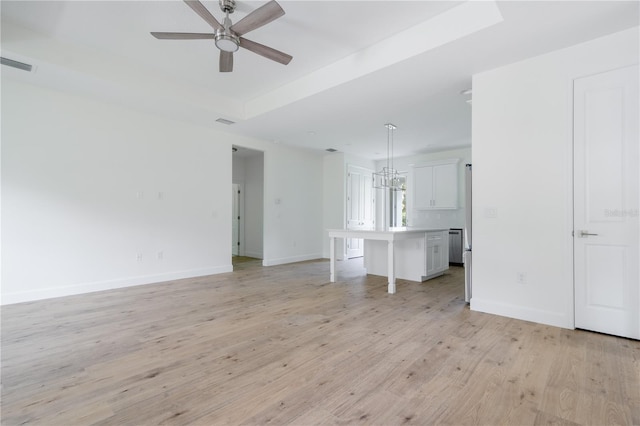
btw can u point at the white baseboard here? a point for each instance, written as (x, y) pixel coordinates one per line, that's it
(292, 259)
(555, 319)
(49, 293)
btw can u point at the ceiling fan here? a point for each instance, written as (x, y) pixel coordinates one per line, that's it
(228, 36)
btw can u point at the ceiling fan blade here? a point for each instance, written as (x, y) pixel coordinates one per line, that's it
(204, 13)
(259, 17)
(182, 36)
(226, 61)
(267, 52)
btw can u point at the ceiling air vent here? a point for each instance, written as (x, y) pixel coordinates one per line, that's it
(16, 64)
(225, 121)
(331, 150)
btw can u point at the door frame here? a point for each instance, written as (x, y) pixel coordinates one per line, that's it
(240, 220)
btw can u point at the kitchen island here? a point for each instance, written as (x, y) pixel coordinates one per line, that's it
(413, 254)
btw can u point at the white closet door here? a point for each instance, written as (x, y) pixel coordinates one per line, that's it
(606, 193)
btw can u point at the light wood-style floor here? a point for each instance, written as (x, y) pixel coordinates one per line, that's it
(240, 263)
(282, 345)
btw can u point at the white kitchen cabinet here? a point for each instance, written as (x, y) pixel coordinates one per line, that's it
(437, 259)
(435, 185)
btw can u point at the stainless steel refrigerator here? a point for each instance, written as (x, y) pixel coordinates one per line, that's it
(467, 235)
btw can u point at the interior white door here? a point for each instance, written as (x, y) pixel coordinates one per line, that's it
(606, 193)
(359, 206)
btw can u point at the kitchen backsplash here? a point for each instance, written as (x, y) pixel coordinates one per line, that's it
(437, 218)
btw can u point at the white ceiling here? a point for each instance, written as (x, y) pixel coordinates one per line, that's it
(356, 64)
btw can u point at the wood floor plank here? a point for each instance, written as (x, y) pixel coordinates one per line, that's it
(283, 345)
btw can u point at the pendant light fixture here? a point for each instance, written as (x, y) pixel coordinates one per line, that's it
(388, 177)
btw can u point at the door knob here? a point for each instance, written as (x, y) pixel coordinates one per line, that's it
(584, 234)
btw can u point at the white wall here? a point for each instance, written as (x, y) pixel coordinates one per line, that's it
(88, 186)
(522, 171)
(292, 205)
(238, 168)
(333, 199)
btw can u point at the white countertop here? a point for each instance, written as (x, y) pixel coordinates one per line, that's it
(391, 234)
(403, 229)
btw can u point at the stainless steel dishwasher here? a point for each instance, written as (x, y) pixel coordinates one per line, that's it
(455, 246)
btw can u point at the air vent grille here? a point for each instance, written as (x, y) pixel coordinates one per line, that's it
(15, 64)
(225, 121)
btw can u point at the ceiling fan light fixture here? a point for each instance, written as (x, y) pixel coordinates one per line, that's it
(227, 42)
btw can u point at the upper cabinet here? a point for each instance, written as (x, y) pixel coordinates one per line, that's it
(435, 185)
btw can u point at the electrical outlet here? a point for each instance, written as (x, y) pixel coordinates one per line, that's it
(491, 212)
(160, 255)
(139, 257)
(521, 278)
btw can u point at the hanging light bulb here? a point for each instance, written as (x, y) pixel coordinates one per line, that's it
(388, 177)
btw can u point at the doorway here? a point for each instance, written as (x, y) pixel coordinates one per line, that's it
(247, 205)
(606, 195)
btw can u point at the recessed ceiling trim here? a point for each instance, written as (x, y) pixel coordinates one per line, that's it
(451, 25)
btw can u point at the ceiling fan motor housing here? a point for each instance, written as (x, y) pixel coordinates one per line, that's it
(227, 6)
